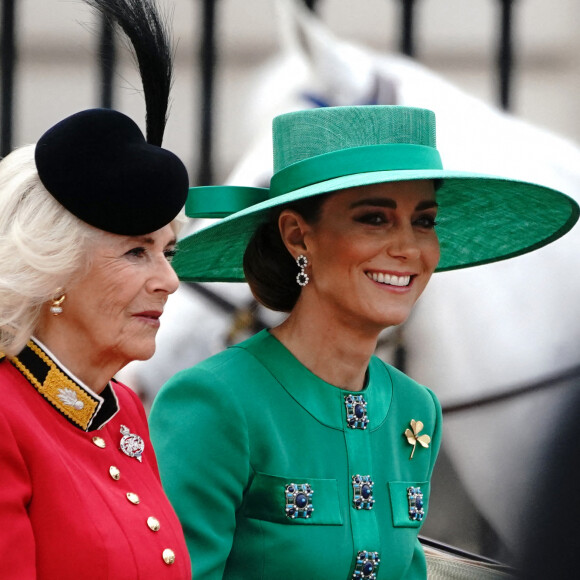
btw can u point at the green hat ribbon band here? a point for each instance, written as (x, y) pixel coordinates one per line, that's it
(369, 158)
(219, 201)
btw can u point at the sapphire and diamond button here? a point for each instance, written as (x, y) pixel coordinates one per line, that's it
(367, 565)
(115, 473)
(298, 500)
(362, 492)
(415, 500)
(356, 411)
(133, 498)
(168, 556)
(99, 442)
(153, 524)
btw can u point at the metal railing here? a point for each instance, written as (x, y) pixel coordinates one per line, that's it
(208, 61)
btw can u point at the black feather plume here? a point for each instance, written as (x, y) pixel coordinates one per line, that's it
(149, 35)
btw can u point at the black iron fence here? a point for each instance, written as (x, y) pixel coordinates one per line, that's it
(208, 52)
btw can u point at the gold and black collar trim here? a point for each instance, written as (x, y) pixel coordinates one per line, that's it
(74, 400)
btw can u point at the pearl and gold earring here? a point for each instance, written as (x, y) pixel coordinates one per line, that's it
(56, 305)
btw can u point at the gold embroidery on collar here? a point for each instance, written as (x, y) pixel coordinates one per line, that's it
(60, 390)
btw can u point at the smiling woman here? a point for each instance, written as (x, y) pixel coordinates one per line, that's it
(88, 223)
(297, 453)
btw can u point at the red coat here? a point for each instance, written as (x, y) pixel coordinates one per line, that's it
(64, 508)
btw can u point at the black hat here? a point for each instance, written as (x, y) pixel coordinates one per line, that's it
(99, 166)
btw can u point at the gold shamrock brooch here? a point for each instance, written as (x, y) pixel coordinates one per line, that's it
(413, 436)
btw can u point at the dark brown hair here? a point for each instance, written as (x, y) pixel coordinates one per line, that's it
(269, 267)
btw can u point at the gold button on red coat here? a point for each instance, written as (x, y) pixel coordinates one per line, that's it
(153, 524)
(99, 442)
(168, 556)
(115, 473)
(133, 497)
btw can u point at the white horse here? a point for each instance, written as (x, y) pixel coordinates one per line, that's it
(475, 332)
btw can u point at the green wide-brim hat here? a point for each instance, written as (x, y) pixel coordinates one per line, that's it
(481, 218)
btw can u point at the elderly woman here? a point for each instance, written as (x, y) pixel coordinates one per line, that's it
(297, 453)
(88, 224)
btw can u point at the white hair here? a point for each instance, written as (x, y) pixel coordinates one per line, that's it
(179, 222)
(42, 246)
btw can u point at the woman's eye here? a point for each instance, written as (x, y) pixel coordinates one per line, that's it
(426, 221)
(136, 252)
(169, 254)
(373, 219)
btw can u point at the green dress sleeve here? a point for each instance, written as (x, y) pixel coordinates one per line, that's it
(418, 567)
(205, 489)
(437, 435)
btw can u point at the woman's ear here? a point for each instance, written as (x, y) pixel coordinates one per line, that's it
(292, 230)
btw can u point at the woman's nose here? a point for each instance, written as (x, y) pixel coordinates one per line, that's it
(403, 243)
(165, 278)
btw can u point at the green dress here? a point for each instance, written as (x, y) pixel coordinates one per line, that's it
(276, 474)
